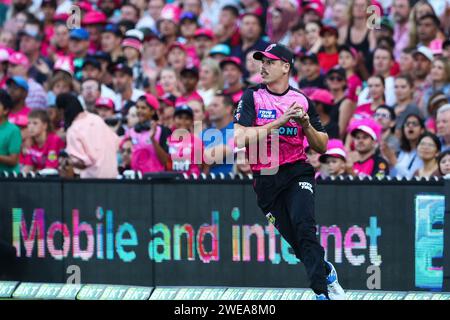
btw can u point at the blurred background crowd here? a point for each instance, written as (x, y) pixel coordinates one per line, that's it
(96, 88)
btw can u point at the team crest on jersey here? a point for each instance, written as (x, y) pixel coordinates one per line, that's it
(270, 47)
(52, 156)
(267, 114)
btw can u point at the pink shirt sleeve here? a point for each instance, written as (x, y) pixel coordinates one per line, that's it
(76, 147)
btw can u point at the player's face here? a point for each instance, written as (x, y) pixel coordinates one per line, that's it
(272, 70)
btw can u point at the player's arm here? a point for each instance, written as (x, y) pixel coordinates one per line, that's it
(313, 129)
(244, 131)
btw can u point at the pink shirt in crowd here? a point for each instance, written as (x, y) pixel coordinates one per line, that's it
(46, 156)
(186, 153)
(354, 85)
(90, 140)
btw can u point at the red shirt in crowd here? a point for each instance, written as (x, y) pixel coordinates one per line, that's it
(354, 85)
(46, 156)
(327, 60)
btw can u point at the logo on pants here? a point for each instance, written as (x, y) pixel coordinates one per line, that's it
(270, 218)
(306, 186)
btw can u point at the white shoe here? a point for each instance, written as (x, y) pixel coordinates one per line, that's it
(335, 291)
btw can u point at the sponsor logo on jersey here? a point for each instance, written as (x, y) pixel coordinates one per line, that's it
(267, 114)
(288, 131)
(306, 186)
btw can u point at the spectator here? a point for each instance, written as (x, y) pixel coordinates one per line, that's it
(210, 80)
(91, 145)
(436, 101)
(444, 163)
(94, 22)
(19, 66)
(311, 69)
(90, 92)
(127, 95)
(177, 57)
(154, 56)
(232, 75)
(227, 31)
(324, 105)
(366, 162)
(328, 55)
(423, 59)
(389, 143)
(404, 91)
(348, 60)
(251, 31)
(297, 39)
(313, 158)
(313, 38)
(167, 25)
(335, 158)
(198, 108)
(446, 49)
(279, 18)
(341, 19)
(151, 15)
(78, 47)
(219, 52)
(428, 150)
(407, 162)
(189, 78)
(92, 69)
(59, 42)
(188, 27)
(104, 107)
(10, 137)
(440, 79)
(126, 148)
(4, 57)
(443, 126)
(185, 148)
(427, 29)
(406, 60)
(46, 145)
(150, 149)
(420, 9)
(170, 83)
(383, 61)
(130, 12)
(203, 42)
(376, 90)
(18, 90)
(132, 118)
(111, 42)
(218, 140)
(402, 10)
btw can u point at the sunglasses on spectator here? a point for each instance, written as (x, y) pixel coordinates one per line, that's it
(335, 78)
(412, 123)
(382, 115)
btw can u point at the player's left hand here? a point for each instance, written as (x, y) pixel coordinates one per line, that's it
(303, 119)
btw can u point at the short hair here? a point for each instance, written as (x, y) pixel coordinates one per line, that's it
(234, 10)
(433, 17)
(389, 109)
(380, 77)
(251, 14)
(42, 115)
(298, 26)
(5, 100)
(99, 85)
(61, 76)
(386, 48)
(441, 156)
(136, 9)
(407, 78)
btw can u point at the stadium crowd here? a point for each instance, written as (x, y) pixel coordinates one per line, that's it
(94, 88)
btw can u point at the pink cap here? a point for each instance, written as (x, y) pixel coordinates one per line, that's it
(366, 125)
(94, 17)
(104, 102)
(317, 6)
(323, 96)
(335, 148)
(64, 63)
(151, 100)
(19, 58)
(233, 60)
(378, 4)
(4, 55)
(171, 12)
(61, 17)
(85, 6)
(176, 45)
(133, 43)
(205, 33)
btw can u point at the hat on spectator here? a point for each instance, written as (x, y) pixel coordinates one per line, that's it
(122, 68)
(323, 96)
(151, 100)
(328, 29)
(436, 101)
(79, 34)
(337, 70)
(276, 51)
(315, 5)
(183, 109)
(366, 125)
(4, 55)
(426, 52)
(114, 29)
(132, 43)
(171, 12)
(387, 23)
(220, 49)
(18, 58)
(18, 81)
(309, 56)
(93, 18)
(335, 149)
(176, 45)
(64, 63)
(91, 61)
(208, 33)
(104, 102)
(231, 60)
(188, 16)
(85, 6)
(30, 32)
(135, 33)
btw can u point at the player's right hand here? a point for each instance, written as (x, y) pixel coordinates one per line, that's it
(292, 112)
